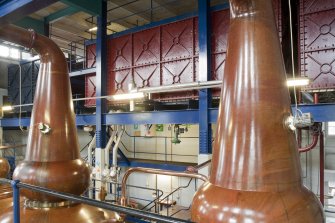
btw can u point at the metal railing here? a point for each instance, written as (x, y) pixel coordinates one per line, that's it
(16, 185)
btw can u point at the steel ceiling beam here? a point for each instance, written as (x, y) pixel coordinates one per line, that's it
(60, 14)
(88, 6)
(30, 23)
(14, 10)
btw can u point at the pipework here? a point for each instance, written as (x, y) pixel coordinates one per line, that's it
(154, 171)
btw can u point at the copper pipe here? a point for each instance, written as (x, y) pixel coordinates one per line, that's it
(194, 169)
(154, 171)
(13, 146)
(312, 145)
(316, 98)
(255, 171)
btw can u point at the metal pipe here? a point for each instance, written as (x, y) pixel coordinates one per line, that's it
(116, 146)
(108, 146)
(16, 201)
(322, 168)
(194, 169)
(182, 87)
(90, 149)
(311, 145)
(154, 171)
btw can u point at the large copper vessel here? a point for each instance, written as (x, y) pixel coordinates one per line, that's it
(5, 190)
(255, 173)
(52, 158)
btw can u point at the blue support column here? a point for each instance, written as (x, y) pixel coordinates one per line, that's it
(205, 97)
(16, 201)
(101, 75)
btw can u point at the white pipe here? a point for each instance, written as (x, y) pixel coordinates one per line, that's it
(160, 89)
(108, 146)
(90, 148)
(181, 87)
(116, 146)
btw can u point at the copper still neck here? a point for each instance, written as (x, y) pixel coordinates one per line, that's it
(253, 149)
(52, 158)
(255, 171)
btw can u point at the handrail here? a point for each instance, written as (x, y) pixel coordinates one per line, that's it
(154, 171)
(79, 199)
(159, 195)
(172, 192)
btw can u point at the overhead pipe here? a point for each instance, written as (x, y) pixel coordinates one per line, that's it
(255, 175)
(52, 157)
(154, 171)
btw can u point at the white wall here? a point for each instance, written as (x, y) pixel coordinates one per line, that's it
(186, 151)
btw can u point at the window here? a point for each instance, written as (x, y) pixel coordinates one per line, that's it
(14, 53)
(4, 51)
(26, 56)
(331, 128)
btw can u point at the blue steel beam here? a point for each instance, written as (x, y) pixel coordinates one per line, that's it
(101, 75)
(60, 14)
(205, 96)
(156, 117)
(13, 11)
(162, 166)
(91, 7)
(320, 112)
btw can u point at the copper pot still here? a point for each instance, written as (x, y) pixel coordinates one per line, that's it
(52, 158)
(255, 173)
(5, 190)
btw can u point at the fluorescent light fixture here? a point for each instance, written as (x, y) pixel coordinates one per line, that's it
(7, 108)
(130, 96)
(295, 82)
(93, 29)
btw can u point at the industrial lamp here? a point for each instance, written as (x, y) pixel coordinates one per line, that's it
(7, 108)
(298, 82)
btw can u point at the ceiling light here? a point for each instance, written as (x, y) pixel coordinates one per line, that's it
(130, 96)
(295, 82)
(7, 108)
(93, 29)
